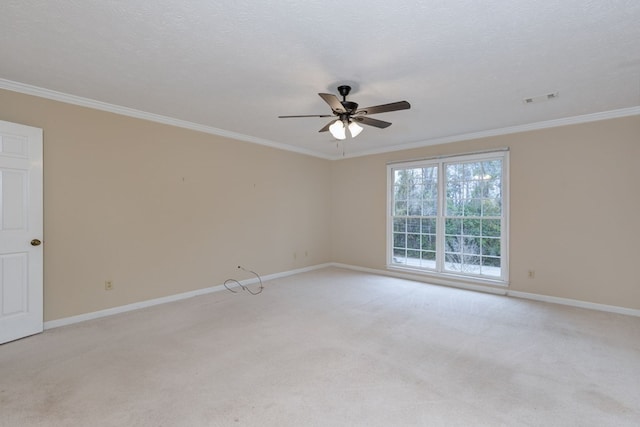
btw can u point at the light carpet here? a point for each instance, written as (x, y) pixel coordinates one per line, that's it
(331, 348)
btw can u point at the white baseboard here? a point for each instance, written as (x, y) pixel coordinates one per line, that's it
(575, 303)
(499, 291)
(171, 298)
(129, 307)
(480, 288)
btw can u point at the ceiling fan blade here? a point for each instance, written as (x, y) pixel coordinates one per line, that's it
(333, 102)
(326, 128)
(385, 108)
(372, 122)
(310, 115)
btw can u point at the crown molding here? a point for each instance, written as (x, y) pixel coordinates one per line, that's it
(138, 114)
(117, 109)
(586, 118)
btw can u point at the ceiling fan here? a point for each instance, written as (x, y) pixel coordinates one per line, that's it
(348, 115)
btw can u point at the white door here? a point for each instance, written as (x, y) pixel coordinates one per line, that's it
(20, 231)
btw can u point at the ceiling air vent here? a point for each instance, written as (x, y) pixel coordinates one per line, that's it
(541, 98)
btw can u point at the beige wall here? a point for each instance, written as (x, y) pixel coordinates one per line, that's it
(162, 210)
(575, 209)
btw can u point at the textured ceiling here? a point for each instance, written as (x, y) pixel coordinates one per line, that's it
(233, 67)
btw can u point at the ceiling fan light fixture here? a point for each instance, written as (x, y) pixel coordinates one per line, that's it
(346, 114)
(355, 129)
(337, 129)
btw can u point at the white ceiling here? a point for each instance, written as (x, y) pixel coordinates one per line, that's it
(232, 67)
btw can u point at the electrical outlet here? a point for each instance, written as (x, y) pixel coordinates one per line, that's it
(108, 285)
(532, 274)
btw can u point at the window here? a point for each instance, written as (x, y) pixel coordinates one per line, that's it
(448, 216)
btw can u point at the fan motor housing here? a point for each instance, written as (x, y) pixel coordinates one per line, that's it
(349, 106)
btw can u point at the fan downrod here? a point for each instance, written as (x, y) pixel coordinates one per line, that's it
(351, 107)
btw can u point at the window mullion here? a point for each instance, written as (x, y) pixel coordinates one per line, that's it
(440, 219)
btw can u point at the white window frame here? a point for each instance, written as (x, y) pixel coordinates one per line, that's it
(439, 272)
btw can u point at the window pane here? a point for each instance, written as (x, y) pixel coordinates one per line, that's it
(491, 227)
(418, 189)
(492, 169)
(413, 225)
(400, 224)
(483, 190)
(473, 171)
(452, 244)
(415, 207)
(452, 262)
(431, 189)
(473, 189)
(429, 208)
(471, 264)
(453, 226)
(428, 259)
(471, 245)
(490, 262)
(493, 188)
(491, 207)
(399, 240)
(454, 207)
(454, 172)
(491, 267)
(413, 241)
(428, 242)
(471, 227)
(403, 177)
(399, 256)
(491, 246)
(429, 225)
(429, 255)
(400, 208)
(472, 207)
(400, 192)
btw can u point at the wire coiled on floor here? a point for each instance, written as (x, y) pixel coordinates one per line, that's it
(243, 287)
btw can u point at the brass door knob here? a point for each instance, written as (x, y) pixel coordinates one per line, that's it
(35, 242)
